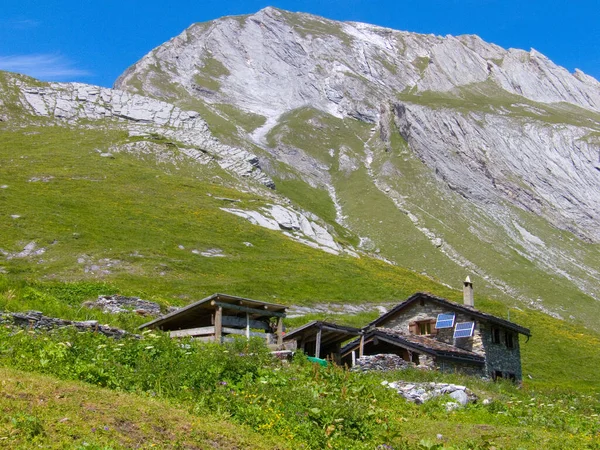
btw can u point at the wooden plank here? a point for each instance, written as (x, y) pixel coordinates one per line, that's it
(227, 330)
(280, 331)
(262, 312)
(318, 345)
(218, 323)
(205, 338)
(201, 331)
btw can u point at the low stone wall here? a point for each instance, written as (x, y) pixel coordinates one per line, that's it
(36, 320)
(382, 362)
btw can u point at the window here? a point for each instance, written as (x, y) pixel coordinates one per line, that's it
(496, 335)
(422, 327)
(464, 329)
(509, 340)
(444, 321)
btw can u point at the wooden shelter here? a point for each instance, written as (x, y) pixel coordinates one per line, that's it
(322, 339)
(220, 315)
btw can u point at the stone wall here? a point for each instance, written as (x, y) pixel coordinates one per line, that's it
(450, 366)
(36, 320)
(498, 357)
(418, 311)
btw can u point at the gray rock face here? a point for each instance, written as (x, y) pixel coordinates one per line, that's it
(71, 102)
(296, 59)
(350, 69)
(298, 226)
(540, 166)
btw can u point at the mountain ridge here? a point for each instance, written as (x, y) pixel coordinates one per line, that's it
(432, 181)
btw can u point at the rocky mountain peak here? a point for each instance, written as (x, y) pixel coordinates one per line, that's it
(343, 68)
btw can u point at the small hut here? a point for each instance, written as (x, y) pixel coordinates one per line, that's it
(322, 339)
(220, 316)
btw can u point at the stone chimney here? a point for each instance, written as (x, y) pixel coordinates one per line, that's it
(468, 292)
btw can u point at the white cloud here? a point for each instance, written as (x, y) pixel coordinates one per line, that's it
(45, 66)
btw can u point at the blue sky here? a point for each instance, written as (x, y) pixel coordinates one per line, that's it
(94, 42)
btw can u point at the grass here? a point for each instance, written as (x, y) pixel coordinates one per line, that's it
(237, 389)
(372, 213)
(210, 72)
(39, 410)
(307, 25)
(119, 215)
(248, 121)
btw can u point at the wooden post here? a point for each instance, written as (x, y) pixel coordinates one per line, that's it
(318, 344)
(218, 323)
(247, 326)
(279, 332)
(361, 346)
(353, 358)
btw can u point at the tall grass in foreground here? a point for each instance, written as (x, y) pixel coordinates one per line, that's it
(302, 404)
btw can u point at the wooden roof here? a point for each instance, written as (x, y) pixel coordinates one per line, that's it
(191, 314)
(330, 332)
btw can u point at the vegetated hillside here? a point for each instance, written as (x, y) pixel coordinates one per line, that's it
(239, 385)
(107, 205)
(442, 154)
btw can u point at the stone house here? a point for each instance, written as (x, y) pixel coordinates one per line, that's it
(434, 332)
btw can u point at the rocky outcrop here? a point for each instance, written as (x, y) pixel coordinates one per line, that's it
(421, 392)
(37, 321)
(541, 166)
(301, 227)
(115, 304)
(73, 102)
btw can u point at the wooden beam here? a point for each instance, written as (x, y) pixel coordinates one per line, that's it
(337, 330)
(280, 331)
(361, 346)
(261, 312)
(318, 345)
(218, 323)
(201, 331)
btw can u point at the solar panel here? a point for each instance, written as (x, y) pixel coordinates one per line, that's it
(464, 329)
(445, 321)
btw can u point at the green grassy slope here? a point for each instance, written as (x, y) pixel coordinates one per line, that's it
(42, 411)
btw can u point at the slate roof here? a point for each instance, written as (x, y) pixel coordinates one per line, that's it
(420, 344)
(450, 305)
